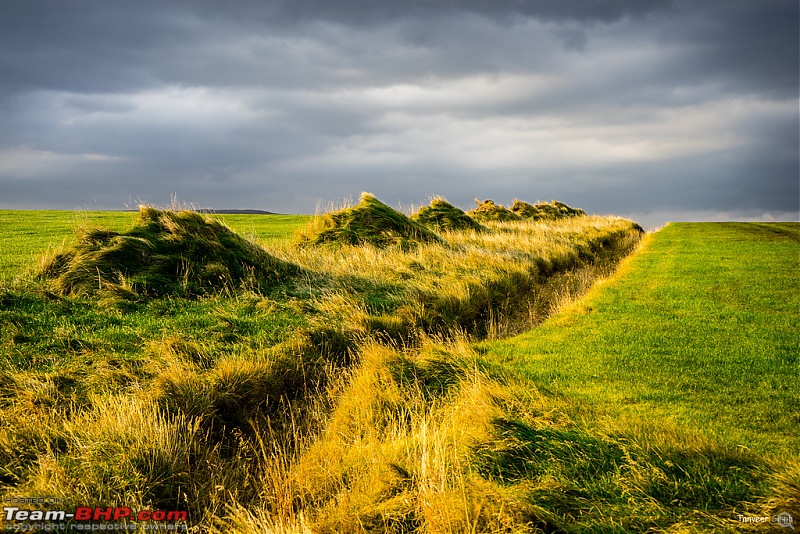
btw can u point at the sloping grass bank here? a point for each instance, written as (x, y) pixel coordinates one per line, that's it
(679, 377)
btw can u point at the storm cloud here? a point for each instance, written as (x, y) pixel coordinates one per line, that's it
(656, 110)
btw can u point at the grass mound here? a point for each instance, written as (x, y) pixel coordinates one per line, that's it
(165, 253)
(545, 211)
(441, 215)
(370, 222)
(489, 211)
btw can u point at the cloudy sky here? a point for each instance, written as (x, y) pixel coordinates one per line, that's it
(653, 109)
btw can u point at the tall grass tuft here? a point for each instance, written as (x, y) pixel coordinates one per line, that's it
(545, 211)
(165, 253)
(370, 222)
(441, 216)
(487, 210)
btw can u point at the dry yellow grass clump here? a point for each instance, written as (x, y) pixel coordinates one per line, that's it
(442, 216)
(397, 451)
(370, 222)
(165, 253)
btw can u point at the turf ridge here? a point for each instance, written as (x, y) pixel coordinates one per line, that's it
(487, 210)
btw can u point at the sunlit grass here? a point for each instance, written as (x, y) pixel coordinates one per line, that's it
(700, 326)
(352, 398)
(681, 370)
(26, 235)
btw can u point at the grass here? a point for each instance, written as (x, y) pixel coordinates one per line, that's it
(27, 235)
(681, 368)
(544, 211)
(354, 398)
(440, 215)
(703, 331)
(164, 253)
(487, 210)
(370, 222)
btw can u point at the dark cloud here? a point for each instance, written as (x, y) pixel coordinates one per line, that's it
(624, 106)
(104, 47)
(369, 12)
(739, 44)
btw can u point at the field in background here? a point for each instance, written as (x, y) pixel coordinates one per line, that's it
(356, 398)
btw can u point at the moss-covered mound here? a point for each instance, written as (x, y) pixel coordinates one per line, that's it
(165, 253)
(545, 211)
(441, 215)
(371, 221)
(489, 211)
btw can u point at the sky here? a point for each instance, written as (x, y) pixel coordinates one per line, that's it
(655, 110)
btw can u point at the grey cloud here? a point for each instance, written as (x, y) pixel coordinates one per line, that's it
(86, 104)
(367, 12)
(104, 47)
(616, 106)
(82, 47)
(749, 46)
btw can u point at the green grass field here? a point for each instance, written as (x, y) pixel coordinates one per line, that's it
(701, 328)
(378, 390)
(679, 378)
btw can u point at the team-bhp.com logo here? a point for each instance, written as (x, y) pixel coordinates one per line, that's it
(85, 518)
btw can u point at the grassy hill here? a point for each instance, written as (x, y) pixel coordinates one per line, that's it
(361, 395)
